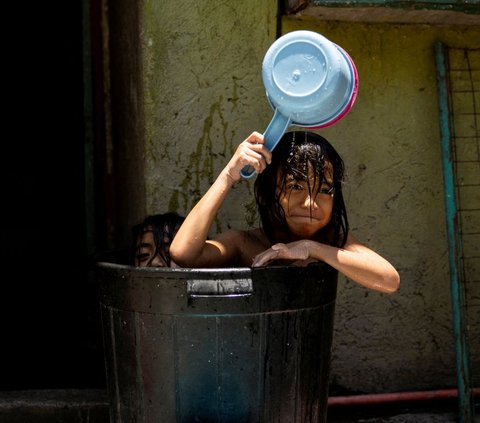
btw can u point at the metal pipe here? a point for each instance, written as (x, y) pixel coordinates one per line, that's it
(460, 324)
(383, 398)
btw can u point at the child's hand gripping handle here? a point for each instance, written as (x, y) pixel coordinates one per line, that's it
(275, 130)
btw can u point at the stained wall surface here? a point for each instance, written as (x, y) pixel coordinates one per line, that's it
(203, 94)
(390, 142)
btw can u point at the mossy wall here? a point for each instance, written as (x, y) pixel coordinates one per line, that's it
(204, 95)
(390, 142)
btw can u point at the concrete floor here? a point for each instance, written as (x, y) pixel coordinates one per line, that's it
(426, 412)
(91, 406)
(406, 418)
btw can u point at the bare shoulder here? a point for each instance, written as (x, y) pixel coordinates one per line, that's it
(258, 238)
(245, 243)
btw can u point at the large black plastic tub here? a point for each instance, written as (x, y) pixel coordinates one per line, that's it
(217, 345)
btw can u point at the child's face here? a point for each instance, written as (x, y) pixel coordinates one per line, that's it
(147, 254)
(308, 212)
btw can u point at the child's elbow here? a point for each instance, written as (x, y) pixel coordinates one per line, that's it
(183, 255)
(176, 254)
(391, 282)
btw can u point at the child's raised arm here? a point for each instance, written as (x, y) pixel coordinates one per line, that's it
(190, 247)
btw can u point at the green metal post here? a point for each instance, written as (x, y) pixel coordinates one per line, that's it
(465, 393)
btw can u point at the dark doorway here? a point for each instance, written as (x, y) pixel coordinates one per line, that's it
(49, 315)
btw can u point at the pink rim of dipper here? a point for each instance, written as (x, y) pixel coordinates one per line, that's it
(353, 96)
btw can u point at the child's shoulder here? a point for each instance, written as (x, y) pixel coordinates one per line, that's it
(257, 236)
(254, 242)
(248, 236)
(246, 243)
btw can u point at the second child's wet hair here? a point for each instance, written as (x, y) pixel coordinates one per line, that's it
(164, 227)
(293, 155)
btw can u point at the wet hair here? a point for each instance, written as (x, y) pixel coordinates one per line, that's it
(294, 155)
(164, 227)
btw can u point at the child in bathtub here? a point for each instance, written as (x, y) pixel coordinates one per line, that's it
(153, 237)
(299, 198)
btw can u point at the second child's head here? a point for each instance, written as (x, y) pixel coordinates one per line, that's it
(153, 238)
(299, 195)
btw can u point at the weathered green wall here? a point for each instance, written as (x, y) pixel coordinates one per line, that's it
(394, 192)
(203, 94)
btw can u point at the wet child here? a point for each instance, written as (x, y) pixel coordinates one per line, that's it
(153, 237)
(298, 192)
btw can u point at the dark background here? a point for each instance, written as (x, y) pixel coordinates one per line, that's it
(50, 324)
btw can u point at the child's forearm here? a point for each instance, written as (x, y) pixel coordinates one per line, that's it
(189, 247)
(356, 261)
(364, 267)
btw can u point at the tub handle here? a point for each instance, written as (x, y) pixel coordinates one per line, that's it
(219, 288)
